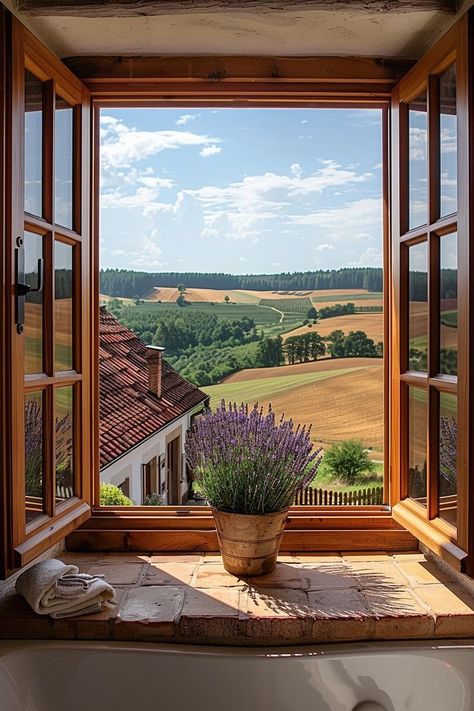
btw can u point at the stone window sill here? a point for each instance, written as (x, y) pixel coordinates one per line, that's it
(308, 598)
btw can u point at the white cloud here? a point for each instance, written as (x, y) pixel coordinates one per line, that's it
(324, 247)
(185, 118)
(295, 169)
(244, 259)
(210, 151)
(122, 145)
(149, 254)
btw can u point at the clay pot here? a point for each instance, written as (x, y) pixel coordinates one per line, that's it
(249, 543)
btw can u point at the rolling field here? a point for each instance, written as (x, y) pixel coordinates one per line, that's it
(298, 306)
(370, 323)
(341, 398)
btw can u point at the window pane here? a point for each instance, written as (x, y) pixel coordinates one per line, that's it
(33, 328)
(418, 307)
(448, 449)
(64, 413)
(33, 144)
(449, 304)
(418, 162)
(448, 136)
(34, 456)
(63, 306)
(417, 424)
(63, 162)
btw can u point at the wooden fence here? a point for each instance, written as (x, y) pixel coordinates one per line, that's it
(326, 497)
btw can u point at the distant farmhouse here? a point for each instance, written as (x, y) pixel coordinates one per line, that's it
(145, 410)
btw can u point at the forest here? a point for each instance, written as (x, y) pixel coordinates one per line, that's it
(131, 284)
(204, 347)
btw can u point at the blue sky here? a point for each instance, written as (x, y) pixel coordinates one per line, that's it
(240, 190)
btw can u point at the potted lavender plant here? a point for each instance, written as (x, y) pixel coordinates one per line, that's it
(250, 468)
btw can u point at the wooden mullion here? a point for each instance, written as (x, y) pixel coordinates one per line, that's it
(77, 308)
(15, 225)
(414, 236)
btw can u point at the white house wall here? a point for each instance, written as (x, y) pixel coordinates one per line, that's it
(130, 465)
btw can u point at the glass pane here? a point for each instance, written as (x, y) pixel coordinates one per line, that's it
(33, 328)
(448, 450)
(33, 144)
(449, 304)
(34, 456)
(418, 307)
(63, 305)
(417, 424)
(448, 136)
(418, 162)
(63, 162)
(64, 413)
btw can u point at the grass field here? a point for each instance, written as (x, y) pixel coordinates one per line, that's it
(370, 323)
(271, 321)
(298, 306)
(342, 398)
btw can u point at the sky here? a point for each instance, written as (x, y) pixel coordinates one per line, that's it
(240, 190)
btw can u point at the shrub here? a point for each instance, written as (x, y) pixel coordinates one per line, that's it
(245, 462)
(154, 500)
(348, 460)
(111, 495)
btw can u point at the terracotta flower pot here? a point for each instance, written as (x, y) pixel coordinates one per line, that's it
(249, 543)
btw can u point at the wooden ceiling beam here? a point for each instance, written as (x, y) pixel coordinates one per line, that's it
(232, 69)
(133, 8)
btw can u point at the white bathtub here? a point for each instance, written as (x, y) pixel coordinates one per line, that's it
(96, 676)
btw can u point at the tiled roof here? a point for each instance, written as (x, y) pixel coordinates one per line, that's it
(129, 413)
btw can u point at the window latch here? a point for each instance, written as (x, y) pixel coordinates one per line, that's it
(22, 289)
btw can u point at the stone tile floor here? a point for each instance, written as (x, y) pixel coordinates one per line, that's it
(308, 598)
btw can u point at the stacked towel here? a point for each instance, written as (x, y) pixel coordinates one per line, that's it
(53, 588)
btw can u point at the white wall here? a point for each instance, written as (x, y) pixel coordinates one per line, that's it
(130, 465)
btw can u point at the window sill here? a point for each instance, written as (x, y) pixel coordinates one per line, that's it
(316, 529)
(307, 599)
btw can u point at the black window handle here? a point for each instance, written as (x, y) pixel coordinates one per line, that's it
(25, 289)
(22, 289)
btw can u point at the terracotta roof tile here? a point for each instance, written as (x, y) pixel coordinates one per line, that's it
(129, 413)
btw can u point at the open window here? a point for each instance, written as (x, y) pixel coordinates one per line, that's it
(432, 275)
(48, 268)
(50, 479)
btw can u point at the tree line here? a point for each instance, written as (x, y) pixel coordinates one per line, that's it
(311, 346)
(130, 284)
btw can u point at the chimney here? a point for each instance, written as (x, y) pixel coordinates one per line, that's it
(153, 359)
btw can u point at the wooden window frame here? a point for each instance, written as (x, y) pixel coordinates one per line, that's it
(22, 542)
(452, 544)
(248, 83)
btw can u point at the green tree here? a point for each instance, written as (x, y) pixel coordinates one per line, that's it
(181, 301)
(312, 313)
(348, 461)
(358, 344)
(336, 343)
(181, 288)
(226, 299)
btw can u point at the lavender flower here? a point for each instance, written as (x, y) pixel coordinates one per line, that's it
(245, 462)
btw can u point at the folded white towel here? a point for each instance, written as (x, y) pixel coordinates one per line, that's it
(53, 588)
